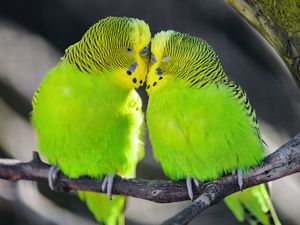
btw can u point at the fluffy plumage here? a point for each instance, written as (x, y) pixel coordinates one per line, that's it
(201, 123)
(86, 113)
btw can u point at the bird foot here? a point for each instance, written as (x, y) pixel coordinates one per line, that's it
(239, 174)
(240, 178)
(107, 185)
(189, 185)
(53, 178)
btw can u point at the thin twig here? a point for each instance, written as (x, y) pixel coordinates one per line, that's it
(210, 196)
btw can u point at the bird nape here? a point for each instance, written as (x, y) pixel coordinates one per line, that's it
(201, 124)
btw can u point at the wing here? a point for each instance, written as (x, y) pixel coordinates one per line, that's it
(241, 96)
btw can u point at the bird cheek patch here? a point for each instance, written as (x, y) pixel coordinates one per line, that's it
(159, 71)
(144, 51)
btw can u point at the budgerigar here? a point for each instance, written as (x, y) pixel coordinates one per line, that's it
(201, 124)
(87, 114)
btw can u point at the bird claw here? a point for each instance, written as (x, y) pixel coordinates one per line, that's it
(53, 177)
(107, 185)
(196, 182)
(240, 178)
(239, 174)
(189, 185)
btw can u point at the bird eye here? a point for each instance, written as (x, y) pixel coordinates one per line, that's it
(165, 58)
(129, 50)
(153, 59)
(144, 51)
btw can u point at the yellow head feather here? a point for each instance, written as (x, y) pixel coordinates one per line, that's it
(182, 60)
(114, 47)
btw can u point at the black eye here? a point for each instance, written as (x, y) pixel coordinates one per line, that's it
(129, 50)
(144, 51)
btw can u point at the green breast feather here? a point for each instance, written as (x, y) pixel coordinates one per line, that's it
(201, 124)
(206, 133)
(89, 127)
(93, 127)
(86, 113)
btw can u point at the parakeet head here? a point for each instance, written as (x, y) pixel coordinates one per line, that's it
(182, 58)
(117, 47)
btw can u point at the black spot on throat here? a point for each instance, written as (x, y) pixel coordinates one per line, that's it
(134, 80)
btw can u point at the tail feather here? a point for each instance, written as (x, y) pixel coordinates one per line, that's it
(252, 220)
(253, 205)
(109, 212)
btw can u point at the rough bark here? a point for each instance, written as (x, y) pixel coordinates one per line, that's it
(278, 21)
(283, 162)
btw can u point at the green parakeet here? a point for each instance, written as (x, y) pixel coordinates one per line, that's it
(86, 112)
(201, 124)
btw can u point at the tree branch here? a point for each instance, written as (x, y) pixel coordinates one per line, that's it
(283, 162)
(279, 23)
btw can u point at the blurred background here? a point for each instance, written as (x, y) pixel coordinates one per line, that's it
(33, 36)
